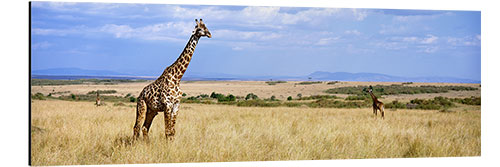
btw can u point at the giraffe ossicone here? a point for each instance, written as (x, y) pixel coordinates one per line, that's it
(164, 94)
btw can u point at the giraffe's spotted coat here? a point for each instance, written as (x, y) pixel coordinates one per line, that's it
(164, 94)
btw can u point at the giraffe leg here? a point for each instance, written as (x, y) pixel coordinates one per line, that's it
(170, 119)
(150, 115)
(140, 117)
(375, 111)
(382, 110)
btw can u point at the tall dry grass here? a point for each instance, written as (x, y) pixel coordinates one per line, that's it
(70, 133)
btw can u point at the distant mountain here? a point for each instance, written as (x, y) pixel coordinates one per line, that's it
(77, 72)
(345, 76)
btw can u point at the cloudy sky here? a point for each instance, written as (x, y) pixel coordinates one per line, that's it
(143, 39)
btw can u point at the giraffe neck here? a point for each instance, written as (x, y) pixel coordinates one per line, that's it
(178, 68)
(374, 98)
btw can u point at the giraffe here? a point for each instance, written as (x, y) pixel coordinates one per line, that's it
(98, 100)
(164, 94)
(377, 105)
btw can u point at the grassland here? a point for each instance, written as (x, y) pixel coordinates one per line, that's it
(70, 133)
(77, 132)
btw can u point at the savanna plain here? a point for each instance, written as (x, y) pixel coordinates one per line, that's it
(77, 132)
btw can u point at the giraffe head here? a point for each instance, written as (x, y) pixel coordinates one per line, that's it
(201, 30)
(370, 89)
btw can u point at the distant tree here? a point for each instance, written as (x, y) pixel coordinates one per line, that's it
(251, 96)
(213, 95)
(289, 98)
(231, 98)
(299, 95)
(132, 99)
(273, 98)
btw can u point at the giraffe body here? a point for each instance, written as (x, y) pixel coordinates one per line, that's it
(98, 100)
(164, 94)
(377, 105)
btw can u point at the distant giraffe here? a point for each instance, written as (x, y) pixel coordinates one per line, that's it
(98, 100)
(377, 105)
(164, 94)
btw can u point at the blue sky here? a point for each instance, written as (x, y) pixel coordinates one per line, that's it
(143, 39)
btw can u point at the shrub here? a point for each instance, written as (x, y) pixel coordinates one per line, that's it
(101, 92)
(309, 82)
(274, 82)
(326, 103)
(273, 97)
(468, 101)
(395, 104)
(251, 96)
(204, 96)
(397, 89)
(257, 103)
(38, 96)
(314, 97)
(73, 96)
(432, 104)
(333, 82)
(132, 99)
(357, 97)
(289, 98)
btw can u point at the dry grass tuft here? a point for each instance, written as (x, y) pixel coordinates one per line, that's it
(72, 133)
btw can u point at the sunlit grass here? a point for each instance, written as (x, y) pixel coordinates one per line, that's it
(71, 133)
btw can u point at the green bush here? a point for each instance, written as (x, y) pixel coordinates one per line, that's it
(289, 98)
(309, 82)
(251, 96)
(333, 82)
(379, 90)
(101, 92)
(132, 99)
(326, 103)
(315, 97)
(358, 97)
(38, 96)
(432, 104)
(396, 105)
(257, 103)
(468, 101)
(274, 82)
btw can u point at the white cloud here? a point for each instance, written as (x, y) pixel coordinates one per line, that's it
(410, 39)
(352, 32)
(264, 15)
(428, 49)
(245, 35)
(162, 31)
(41, 45)
(119, 31)
(430, 39)
(326, 41)
(359, 14)
(392, 29)
(237, 48)
(465, 41)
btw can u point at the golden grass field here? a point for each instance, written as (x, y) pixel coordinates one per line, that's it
(75, 133)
